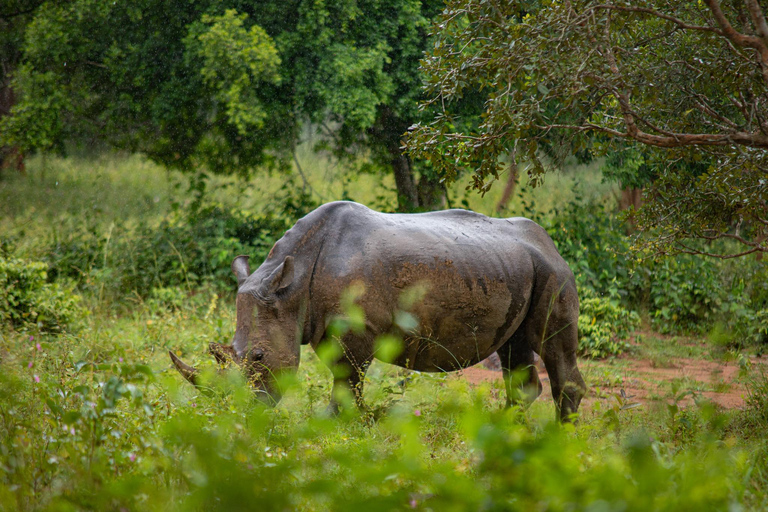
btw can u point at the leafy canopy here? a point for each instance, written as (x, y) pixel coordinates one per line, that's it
(223, 85)
(682, 86)
(160, 78)
(234, 60)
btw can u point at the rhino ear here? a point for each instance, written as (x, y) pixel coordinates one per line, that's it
(282, 276)
(241, 269)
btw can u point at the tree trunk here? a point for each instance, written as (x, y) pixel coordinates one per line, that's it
(407, 197)
(631, 198)
(10, 157)
(509, 188)
(432, 194)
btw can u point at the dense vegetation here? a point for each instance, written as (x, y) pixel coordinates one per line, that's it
(677, 90)
(94, 418)
(223, 87)
(109, 260)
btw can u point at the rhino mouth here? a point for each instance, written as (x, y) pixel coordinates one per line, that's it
(226, 356)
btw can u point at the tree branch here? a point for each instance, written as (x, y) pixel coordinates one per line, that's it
(690, 250)
(674, 140)
(730, 32)
(652, 12)
(740, 39)
(758, 19)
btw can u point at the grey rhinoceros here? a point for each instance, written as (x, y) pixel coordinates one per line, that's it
(487, 285)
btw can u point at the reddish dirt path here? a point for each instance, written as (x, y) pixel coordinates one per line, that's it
(642, 382)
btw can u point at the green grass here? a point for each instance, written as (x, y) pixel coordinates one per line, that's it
(98, 420)
(664, 349)
(156, 442)
(115, 186)
(108, 186)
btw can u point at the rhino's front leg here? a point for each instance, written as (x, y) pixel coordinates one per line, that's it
(347, 377)
(349, 373)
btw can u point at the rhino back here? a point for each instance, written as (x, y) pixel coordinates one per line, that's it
(474, 277)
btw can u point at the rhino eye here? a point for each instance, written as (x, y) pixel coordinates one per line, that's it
(258, 355)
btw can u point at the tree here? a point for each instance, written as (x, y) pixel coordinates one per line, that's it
(147, 76)
(14, 16)
(227, 85)
(685, 81)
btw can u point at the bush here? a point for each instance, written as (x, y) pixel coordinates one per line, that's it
(189, 247)
(592, 240)
(604, 326)
(167, 299)
(684, 294)
(116, 437)
(757, 395)
(28, 300)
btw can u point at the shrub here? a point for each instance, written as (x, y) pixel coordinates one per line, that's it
(604, 326)
(688, 294)
(166, 299)
(592, 240)
(682, 293)
(188, 247)
(28, 300)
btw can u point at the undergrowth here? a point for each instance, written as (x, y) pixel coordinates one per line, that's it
(92, 418)
(97, 421)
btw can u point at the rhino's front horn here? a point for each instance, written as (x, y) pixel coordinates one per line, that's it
(187, 371)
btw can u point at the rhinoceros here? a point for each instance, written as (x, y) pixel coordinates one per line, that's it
(485, 285)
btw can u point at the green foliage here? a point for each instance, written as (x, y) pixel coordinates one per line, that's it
(224, 85)
(29, 301)
(235, 60)
(757, 397)
(684, 292)
(604, 326)
(188, 247)
(115, 432)
(645, 75)
(170, 298)
(697, 295)
(178, 82)
(591, 239)
(97, 420)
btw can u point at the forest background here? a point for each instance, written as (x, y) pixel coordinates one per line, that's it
(145, 144)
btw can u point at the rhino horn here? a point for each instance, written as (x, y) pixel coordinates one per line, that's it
(185, 370)
(241, 269)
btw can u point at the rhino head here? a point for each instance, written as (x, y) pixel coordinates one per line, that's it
(266, 336)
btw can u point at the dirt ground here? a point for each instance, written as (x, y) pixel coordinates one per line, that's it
(643, 381)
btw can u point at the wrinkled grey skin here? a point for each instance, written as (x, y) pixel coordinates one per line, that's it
(488, 285)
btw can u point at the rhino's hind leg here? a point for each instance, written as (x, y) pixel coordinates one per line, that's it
(559, 344)
(568, 386)
(551, 330)
(521, 379)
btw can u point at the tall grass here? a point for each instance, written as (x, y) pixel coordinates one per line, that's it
(106, 187)
(97, 420)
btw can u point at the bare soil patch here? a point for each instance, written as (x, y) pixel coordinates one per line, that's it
(643, 381)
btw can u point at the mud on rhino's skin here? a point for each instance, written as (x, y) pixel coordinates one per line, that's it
(483, 285)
